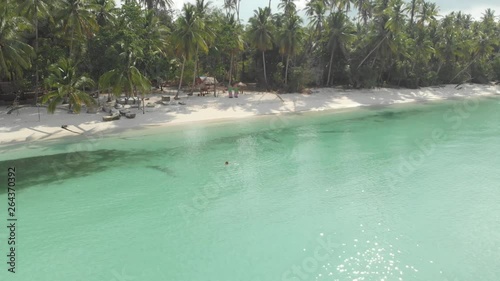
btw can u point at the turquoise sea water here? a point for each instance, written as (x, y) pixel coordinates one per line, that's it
(393, 193)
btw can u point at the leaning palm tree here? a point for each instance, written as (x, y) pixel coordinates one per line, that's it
(188, 36)
(261, 30)
(15, 54)
(67, 85)
(290, 38)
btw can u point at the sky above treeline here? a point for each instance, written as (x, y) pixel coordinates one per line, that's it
(475, 8)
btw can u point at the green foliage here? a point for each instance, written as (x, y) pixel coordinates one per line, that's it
(391, 42)
(67, 86)
(15, 53)
(496, 68)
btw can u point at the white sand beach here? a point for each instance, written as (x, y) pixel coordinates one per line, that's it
(23, 125)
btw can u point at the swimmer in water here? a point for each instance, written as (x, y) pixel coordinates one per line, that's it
(227, 163)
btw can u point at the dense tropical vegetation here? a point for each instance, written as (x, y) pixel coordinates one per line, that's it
(353, 43)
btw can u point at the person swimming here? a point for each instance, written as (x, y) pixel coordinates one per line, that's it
(227, 163)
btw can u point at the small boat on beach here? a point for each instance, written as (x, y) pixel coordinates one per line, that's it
(114, 115)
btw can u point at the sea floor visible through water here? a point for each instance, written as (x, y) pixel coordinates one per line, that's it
(379, 193)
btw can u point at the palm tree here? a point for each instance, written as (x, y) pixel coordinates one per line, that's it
(35, 9)
(188, 36)
(343, 5)
(261, 31)
(365, 9)
(233, 5)
(315, 10)
(236, 43)
(104, 12)
(126, 78)
(414, 8)
(156, 4)
(427, 14)
(340, 33)
(288, 7)
(390, 22)
(290, 38)
(201, 9)
(15, 54)
(78, 19)
(65, 84)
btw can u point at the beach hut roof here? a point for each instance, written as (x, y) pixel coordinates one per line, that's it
(208, 80)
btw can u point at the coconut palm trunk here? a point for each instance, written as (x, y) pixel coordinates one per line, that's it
(231, 68)
(371, 52)
(182, 74)
(195, 69)
(264, 65)
(286, 69)
(71, 43)
(36, 55)
(330, 65)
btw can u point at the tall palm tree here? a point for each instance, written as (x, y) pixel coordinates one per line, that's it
(365, 9)
(236, 44)
(428, 13)
(315, 10)
(343, 5)
(414, 8)
(201, 11)
(35, 9)
(15, 54)
(78, 19)
(290, 38)
(288, 6)
(105, 11)
(230, 5)
(156, 4)
(188, 36)
(390, 21)
(66, 84)
(261, 30)
(340, 33)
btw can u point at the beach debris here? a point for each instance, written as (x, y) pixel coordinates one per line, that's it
(182, 103)
(65, 127)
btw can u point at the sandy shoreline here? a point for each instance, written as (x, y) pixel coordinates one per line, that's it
(24, 127)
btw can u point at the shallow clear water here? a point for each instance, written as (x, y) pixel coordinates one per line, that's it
(397, 193)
